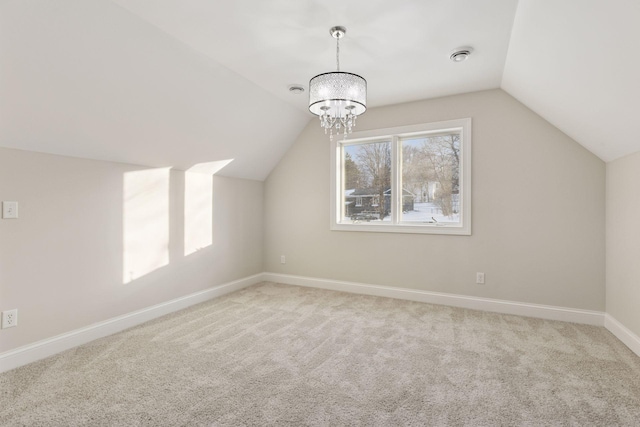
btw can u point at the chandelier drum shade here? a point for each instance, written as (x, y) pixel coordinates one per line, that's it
(340, 89)
(337, 97)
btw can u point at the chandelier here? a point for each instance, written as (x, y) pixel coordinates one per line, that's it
(337, 97)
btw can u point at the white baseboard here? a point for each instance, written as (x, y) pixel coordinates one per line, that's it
(50, 346)
(621, 332)
(486, 304)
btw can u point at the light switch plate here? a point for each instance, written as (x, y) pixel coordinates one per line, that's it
(9, 210)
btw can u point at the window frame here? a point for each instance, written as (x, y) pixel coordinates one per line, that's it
(394, 135)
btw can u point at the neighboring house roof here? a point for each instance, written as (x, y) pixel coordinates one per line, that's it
(405, 192)
(364, 192)
(372, 192)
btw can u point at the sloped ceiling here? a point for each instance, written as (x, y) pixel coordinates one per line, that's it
(576, 64)
(90, 79)
(178, 83)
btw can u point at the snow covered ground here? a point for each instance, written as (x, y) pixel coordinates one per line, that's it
(425, 212)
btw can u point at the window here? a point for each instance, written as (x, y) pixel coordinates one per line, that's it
(414, 179)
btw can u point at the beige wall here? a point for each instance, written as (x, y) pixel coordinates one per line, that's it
(61, 262)
(623, 241)
(538, 226)
(538, 212)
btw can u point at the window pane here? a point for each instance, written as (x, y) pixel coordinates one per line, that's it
(430, 179)
(366, 187)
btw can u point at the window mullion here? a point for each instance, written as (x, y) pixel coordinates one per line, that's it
(396, 180)
(340, 190)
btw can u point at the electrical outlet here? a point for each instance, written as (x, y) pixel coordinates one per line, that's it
(9, 210)
(480, 278)
(282, 259)
(10, 318)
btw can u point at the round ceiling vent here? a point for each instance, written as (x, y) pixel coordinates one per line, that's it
(296, 89)
(460, 54)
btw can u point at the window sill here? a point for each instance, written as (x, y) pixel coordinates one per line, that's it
(404, 228)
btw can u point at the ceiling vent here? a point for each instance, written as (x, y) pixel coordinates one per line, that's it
(296, 89)
(460, 54)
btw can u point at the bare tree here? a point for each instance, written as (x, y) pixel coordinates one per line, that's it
(353, 175)
(443, 155)
(415, 175)
(374, 160)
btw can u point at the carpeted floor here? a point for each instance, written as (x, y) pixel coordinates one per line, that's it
(283, 355)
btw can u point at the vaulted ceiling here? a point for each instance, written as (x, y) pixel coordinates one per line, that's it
(178, 83)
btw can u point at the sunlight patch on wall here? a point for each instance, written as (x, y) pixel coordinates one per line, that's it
(198, 205)
(145, 222)
(198, 211)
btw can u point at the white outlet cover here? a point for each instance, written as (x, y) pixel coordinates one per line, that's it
(9, 318)
(9, 210)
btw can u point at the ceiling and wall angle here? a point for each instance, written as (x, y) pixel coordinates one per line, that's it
(167, 83)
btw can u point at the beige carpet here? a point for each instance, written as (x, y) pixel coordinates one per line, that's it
(284, 355)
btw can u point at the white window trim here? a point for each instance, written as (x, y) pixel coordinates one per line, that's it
(462, 125)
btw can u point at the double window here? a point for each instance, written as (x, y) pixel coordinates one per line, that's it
(414, 179)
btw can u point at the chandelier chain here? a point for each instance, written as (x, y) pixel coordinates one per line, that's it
(338, 53)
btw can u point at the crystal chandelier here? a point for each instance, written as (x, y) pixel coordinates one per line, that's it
(337, 98)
